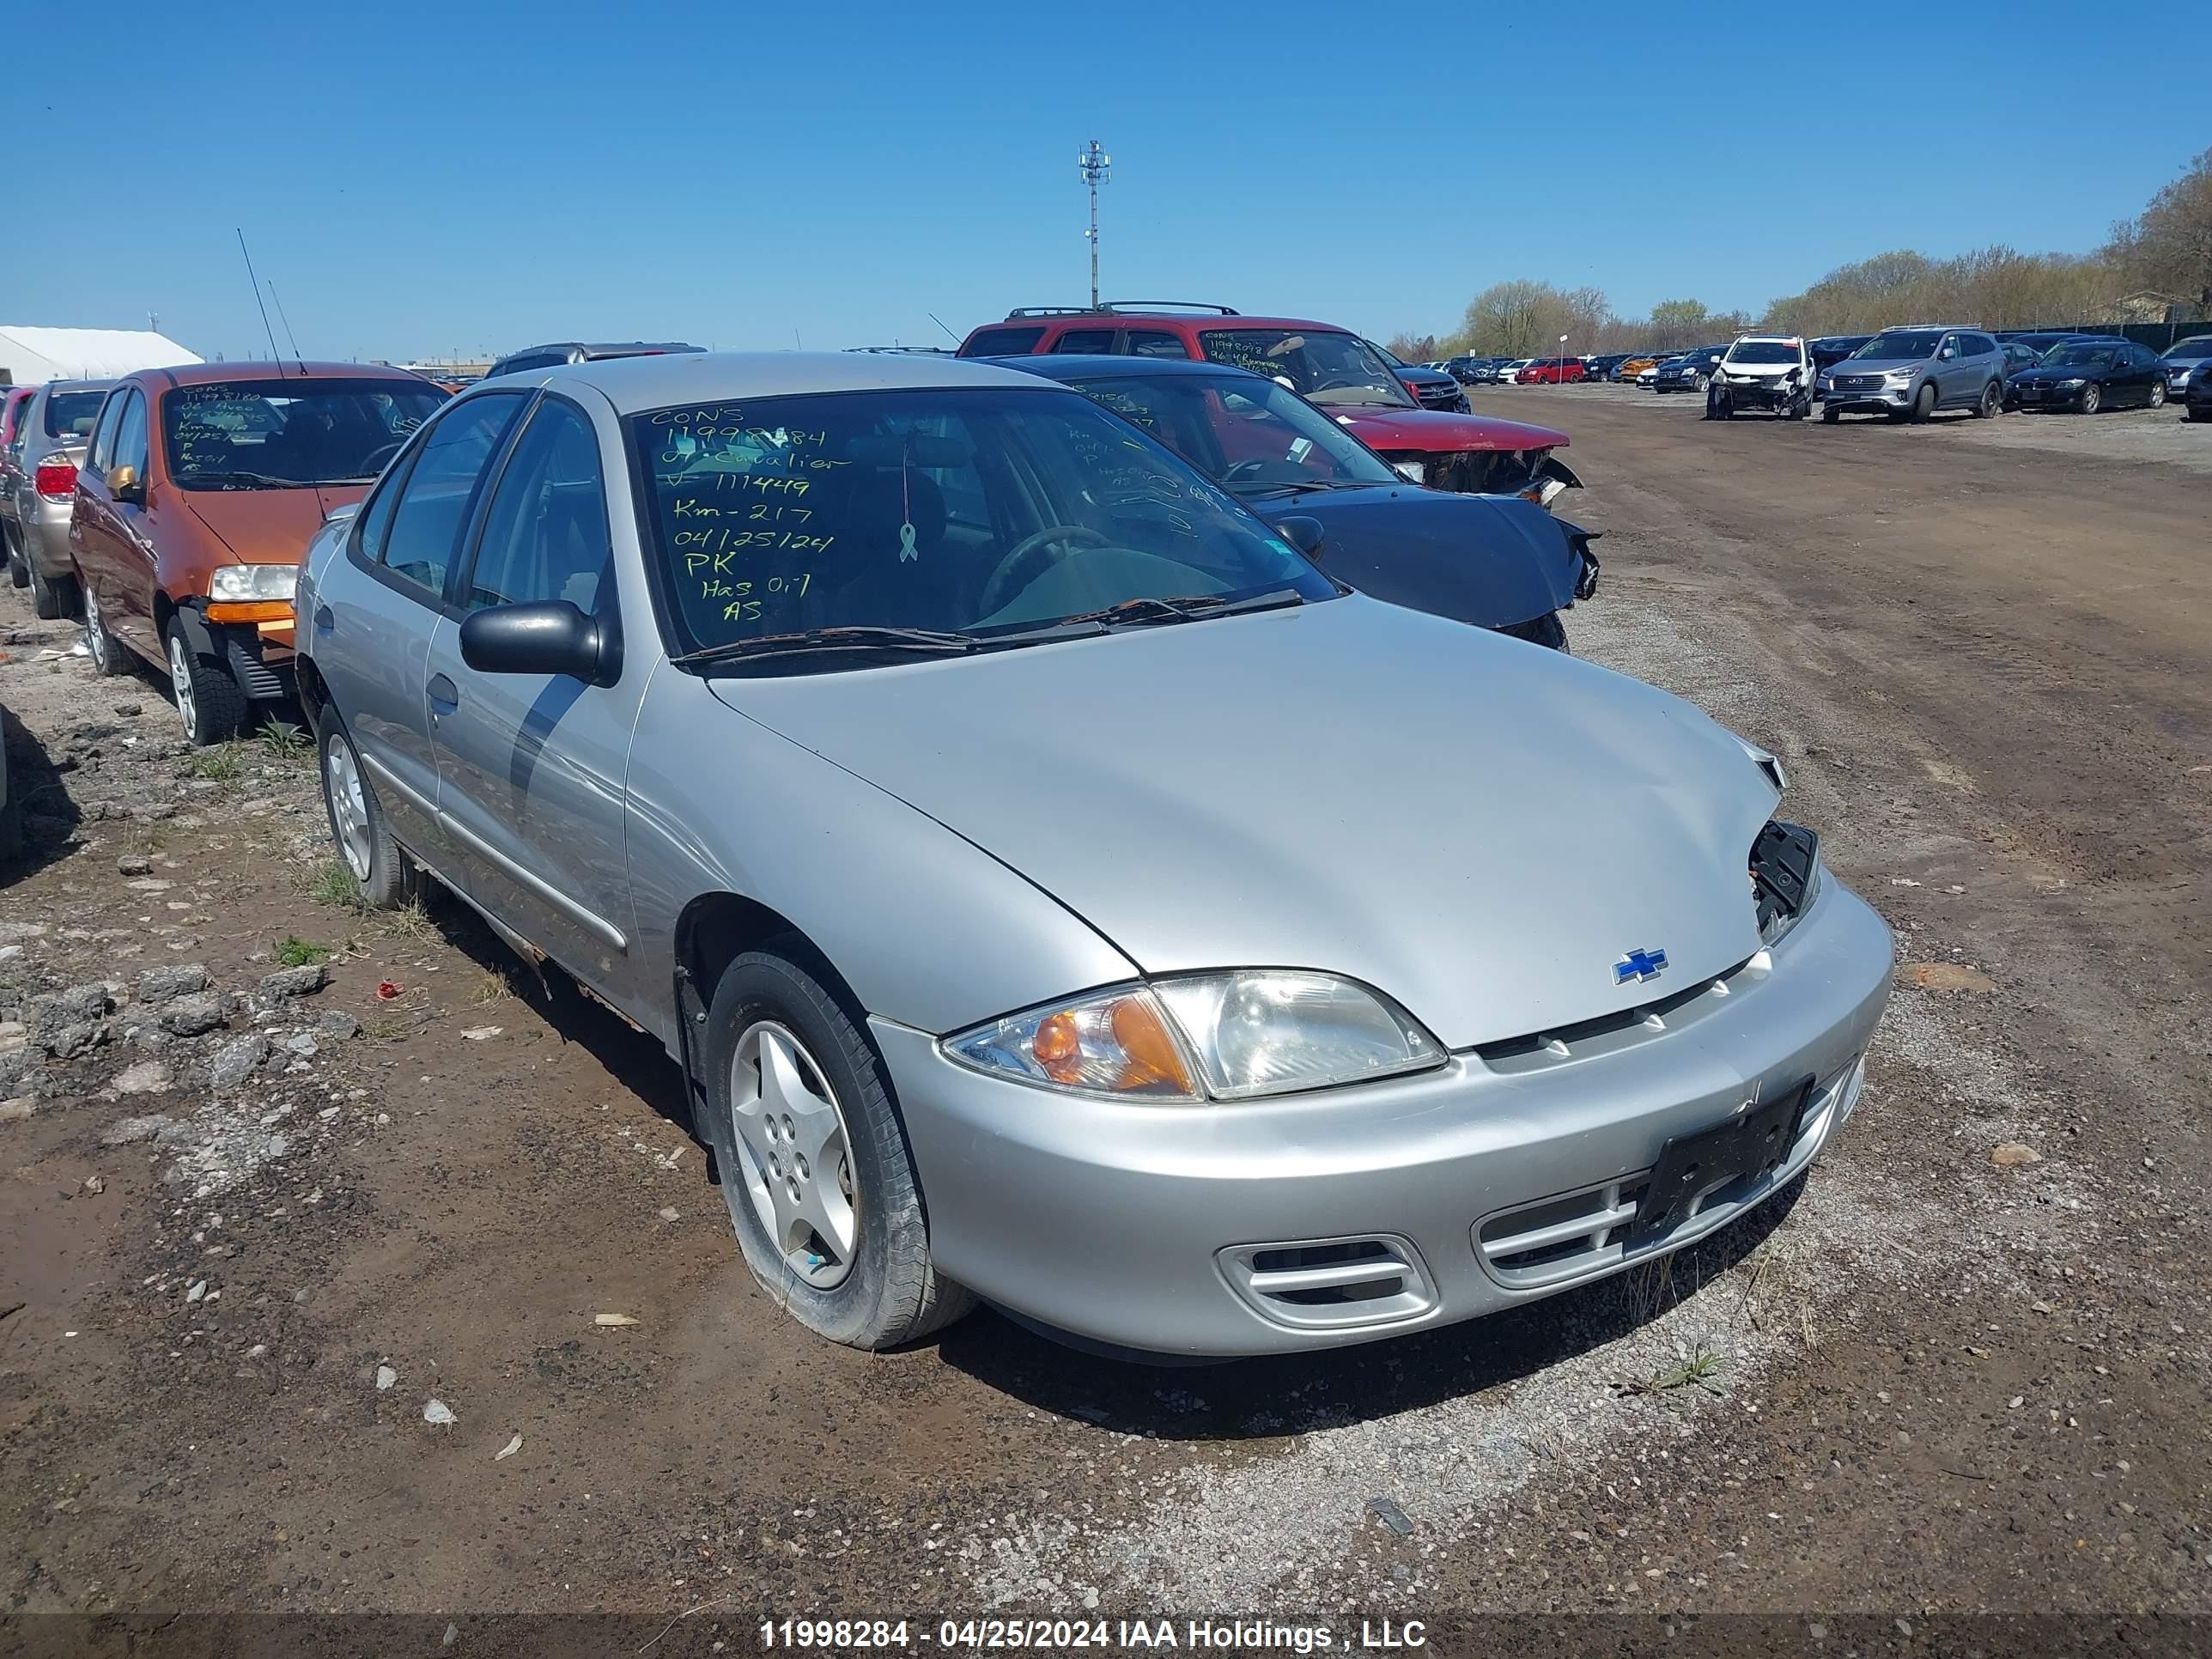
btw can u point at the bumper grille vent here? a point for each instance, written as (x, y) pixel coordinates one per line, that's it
(1332, 1284)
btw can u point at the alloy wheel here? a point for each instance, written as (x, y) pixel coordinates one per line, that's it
(2092, 399)
(797, 1153)
(95, 629)
(349, 806)
(2158, 394)
(180, 684)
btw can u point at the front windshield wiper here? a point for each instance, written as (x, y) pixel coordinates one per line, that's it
(250, 480)
(849, 637)
(1148, 609)
(1256, 486)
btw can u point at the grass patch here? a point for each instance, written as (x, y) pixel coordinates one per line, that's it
(296, 952)
(330, 882)
(410, 920)
(219, 762)
(492, 985)
(284, 742)
(384, 1031)
(1673, 1385)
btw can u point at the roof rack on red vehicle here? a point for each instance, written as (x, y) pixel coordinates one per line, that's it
(1169, 305)
(1049, 311)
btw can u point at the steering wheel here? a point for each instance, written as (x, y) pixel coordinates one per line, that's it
(1336, 380)
(1002, 578)
(377, 459)
(1242, 471)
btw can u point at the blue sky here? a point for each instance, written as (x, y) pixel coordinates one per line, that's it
(428, 178)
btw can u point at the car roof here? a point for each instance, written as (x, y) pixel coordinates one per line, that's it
(74, 386)
(605, 348)
(1208, 321)
(220, 374)
(1102, 366)
(634, 383)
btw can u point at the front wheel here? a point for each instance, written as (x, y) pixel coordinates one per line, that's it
(2093, 398)
(1992, 401)
(209, 701)
(1923, 405)
(814, 1164)
(2158, 394)
(1830, 415)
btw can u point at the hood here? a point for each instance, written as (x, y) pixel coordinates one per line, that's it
(2051, 374)
(1478, 827)
(1439, 431)
(1774, 371)
(1876, 365)
(267, 526)
(1489, 560)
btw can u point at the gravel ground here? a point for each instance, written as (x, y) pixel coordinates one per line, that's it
(288, 1272)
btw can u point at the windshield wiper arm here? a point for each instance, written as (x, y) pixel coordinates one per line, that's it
(1257, 485)
(1148, 609)
(849, 637)
(258, 480)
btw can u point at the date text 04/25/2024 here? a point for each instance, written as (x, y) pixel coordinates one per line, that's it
(1060, 1635)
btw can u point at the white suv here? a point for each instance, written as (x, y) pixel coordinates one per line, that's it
(1772, 371)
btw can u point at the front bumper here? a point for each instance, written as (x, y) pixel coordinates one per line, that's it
(1196, 1230)
(2045, 397)
(1880, 400)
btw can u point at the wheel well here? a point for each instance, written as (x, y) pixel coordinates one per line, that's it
(313, 694)
(717, 928)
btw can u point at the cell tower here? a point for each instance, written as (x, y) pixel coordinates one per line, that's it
(1097, 166)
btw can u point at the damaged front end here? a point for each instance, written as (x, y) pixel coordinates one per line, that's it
(1534, 475)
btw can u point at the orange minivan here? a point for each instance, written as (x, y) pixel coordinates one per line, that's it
(198, 491)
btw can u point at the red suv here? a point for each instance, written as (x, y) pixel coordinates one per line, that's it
(1332, 368)
(1552, 371)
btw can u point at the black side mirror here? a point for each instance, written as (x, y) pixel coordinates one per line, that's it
(547, 636)
(1303, 533)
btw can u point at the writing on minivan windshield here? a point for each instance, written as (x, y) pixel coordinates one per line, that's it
(951, 510)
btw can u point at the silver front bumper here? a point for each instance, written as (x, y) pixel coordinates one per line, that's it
(1227, 1230)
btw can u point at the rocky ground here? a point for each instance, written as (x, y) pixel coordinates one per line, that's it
(344, 1267)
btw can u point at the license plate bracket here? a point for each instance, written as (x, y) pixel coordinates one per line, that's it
(1755, 1141)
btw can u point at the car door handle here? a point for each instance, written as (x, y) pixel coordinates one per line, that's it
(443, 690)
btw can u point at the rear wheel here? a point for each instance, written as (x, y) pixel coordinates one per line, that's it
(209, 701)
(2093, 398)
(19, 571)
(108, 655)
(49, 600)
(814, 1164)
(1992, 401)
(365, 845)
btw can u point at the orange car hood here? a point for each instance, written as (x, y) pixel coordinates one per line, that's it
(268, 527)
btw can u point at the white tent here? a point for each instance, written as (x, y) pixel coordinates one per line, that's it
(32, 356)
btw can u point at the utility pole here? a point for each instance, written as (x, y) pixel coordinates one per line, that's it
(1097, 166)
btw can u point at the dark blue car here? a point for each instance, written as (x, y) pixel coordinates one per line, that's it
(1498, 562)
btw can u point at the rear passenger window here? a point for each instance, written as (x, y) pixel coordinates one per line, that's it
(1148, 343)
(434, 506)
(1003, 341)
(1086, 339)
(545, 536)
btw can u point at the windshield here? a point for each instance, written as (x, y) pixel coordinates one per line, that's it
(2078, 356)
(1321, 364)
(1900, 345)
(288, 434)
(1762, 351)
(963, 511)
(71, 414)
(2188, 351)
(1249, 433)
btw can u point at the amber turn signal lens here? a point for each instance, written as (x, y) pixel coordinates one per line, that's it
(1058, 1047)
(1152, 1056)
(250, 611)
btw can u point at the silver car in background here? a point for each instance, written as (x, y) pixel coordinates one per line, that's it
(2181, 360)
(1908, 374)
(38, 474)
(1054, 888)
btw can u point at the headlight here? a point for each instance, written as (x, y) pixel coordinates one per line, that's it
(1899, 376)
(2072, 385)
(1222, 1036)
(233, 583)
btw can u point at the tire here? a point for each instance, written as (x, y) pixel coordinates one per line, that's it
(209, 701)
(2196, 413)
(109, 655)
(19, 568)
(1830, 415)
(364, 843)
(1992, 401)
(2093, 398)
(1699, 382)
(868, 1281)
(49, 600)
(1923, 404)
(2158, 394)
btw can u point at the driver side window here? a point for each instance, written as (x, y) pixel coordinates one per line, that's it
(416, 543)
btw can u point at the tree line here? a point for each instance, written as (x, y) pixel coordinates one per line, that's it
(2162, 256)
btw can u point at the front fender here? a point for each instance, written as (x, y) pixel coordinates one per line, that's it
(927, 928)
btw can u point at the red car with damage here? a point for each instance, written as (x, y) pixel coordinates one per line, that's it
(1331, 368)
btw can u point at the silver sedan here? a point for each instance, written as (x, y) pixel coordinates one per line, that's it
(1055, 889)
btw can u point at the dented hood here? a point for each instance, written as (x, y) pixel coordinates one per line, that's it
(1439, 431)
(267, 526)
(1478, 827)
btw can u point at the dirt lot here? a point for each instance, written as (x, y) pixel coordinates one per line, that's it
(1962, 1370)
